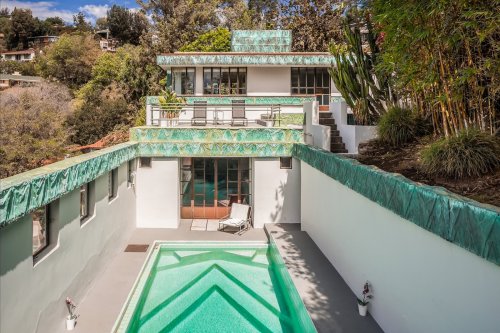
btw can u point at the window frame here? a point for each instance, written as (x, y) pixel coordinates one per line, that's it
(87, 202)
(46, 216)
(112, 184)
(318, 71)
(183, 71)
(131, 170)
(284, 165)
(240, 91)
(142, 163)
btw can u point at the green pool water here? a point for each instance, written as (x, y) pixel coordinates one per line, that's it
(204, 287)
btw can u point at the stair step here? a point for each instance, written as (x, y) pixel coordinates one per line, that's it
(326, 121)
(325, 115)
(334, 132)
(336, 139)
(337, 145)
(339, 151)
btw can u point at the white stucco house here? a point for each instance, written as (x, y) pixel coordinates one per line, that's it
(23, 55)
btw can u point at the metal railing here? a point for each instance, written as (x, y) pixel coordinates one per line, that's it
(236, 114)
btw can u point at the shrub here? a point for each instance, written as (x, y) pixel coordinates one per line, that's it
(469, 154)
(399, 126)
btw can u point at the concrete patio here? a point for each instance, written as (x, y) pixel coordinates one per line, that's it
(329, 301)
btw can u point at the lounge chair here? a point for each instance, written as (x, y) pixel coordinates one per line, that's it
(239, 217)
(199, 113)
(238, 112)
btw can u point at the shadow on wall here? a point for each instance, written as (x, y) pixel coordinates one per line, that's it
(283, 202)
(330, 302)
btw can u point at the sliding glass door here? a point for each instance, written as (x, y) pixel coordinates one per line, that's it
(209, 186)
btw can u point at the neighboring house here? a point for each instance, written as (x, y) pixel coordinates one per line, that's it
(260, 69)
(23, 55)
(106, 43)
(42, 41)
(9, 80)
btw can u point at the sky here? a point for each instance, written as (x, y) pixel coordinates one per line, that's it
(65, 9)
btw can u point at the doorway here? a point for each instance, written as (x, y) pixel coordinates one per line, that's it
(209, 186)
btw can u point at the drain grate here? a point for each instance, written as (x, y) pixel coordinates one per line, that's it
(137, 248)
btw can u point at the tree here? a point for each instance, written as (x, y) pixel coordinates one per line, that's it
(364, 89)
(22, 26)
(101, 23)
(23, 67)
(237, 16)
(179, 22)
(80, 23)
(314, 23)
(126, 26)
(32, 130)
(444, 59)
(69, 59)
(217, 40)
(265, 13)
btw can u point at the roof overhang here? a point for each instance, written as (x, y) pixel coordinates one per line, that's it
(190, 59)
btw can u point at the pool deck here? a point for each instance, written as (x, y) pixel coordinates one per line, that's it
(329, 300)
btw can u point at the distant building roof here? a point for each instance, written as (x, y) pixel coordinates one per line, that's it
(24, 78)
(28, 51)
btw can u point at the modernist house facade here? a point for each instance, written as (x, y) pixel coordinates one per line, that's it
(432, 257)
(23, 55)
(260, 70)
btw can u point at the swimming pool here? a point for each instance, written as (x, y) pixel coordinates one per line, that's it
(214, 287)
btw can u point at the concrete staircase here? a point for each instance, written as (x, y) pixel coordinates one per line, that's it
(336, 144)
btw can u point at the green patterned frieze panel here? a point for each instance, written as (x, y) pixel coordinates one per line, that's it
(217, 149)
(265, 41)
(459, 220)
(246, 59)
(212, 135)
(29, 190)
(226, 100)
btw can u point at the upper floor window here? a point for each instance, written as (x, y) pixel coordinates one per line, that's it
(224, 81)
(40, 219)
(310, 81)
(181, 80)
(131, 170)
(86, 202)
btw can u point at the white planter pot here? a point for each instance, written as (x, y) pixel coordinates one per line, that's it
(363, 309)
(70, 323)
(169, 122)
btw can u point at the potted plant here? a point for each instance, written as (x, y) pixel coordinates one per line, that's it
(363, 301)
(171, 107)
(71, 318)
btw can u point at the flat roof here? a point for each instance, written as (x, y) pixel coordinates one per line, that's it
(26, 78)
(180, 59)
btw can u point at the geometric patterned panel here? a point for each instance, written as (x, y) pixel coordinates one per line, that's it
(462, 221)
(217, 149)
(216, 135)
(226, 100)
(261, 41)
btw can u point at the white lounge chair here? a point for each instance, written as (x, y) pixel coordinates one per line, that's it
(238, 218)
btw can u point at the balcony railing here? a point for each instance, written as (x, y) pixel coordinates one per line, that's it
(200, 114)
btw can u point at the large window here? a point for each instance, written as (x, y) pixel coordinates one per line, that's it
(224, 81)
(310, 81)
(181, 80)
(40, 218)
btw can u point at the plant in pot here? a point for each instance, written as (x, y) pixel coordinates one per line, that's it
(363, 301)
(71, 318)
(171, 106)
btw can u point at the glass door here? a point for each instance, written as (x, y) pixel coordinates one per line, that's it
(210, 186)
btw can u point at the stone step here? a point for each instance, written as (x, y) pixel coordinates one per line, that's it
(336, 139)
(337, 145)
(325, 115)
(334, 132)
(326, 121)
(339, 151)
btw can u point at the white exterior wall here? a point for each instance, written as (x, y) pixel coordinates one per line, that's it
(32, 297)
(276, 192)
(421, 283)
(268, 81)
(158, 194)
